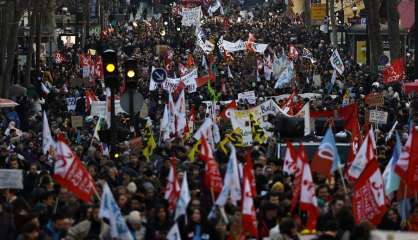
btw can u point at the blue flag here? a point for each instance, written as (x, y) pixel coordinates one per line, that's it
(326, 160)
(390, 178)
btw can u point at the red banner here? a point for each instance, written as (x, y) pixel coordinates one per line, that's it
(70, 172)
(395, 72)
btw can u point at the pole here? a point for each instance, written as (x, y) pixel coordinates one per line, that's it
(416, 43)
(113, 134)
(333, 27)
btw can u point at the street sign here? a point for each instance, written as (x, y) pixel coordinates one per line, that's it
(137, 101)
(383, 60)
(159, 75)
(379, 117)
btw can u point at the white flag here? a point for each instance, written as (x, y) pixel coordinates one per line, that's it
(230, 73)
(174, 233)
(184, 199)
(180, 113)
(306, 114)
(204, 63)
(232, 186)
(334, 77)
(47, 142)
(109, 209)
(337, 62)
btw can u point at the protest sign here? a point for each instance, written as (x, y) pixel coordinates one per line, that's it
(77, 121)
(191, 16)
(379, 117)
(98, 108)
(11, 179)
(375, 100)
(71, 103)
(248, 96)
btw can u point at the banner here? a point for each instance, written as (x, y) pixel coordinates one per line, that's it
(337, 62)
(11, 179)
(241, 119)
(248, 96)
(202, 42)
(191, 16)
(379, 117)
(170, 84)
(71, 103)
(98, 108)
(240, 46)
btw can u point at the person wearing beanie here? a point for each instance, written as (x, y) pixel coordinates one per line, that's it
(134, 221)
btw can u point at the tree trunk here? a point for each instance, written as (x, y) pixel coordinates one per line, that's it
(307, 10)
(393, 28)
(7, 18)
(375, 42)
(86, 21)
(29, 57)
(331, 9)
(11, 47)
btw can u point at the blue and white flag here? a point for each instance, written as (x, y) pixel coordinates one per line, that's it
(174, 233)
(109, 209)
(184, 198)
(326, 160)
(232, 186)
(285, 77)
(390, 178)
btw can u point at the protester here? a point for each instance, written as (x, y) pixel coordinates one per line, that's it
(240, 184)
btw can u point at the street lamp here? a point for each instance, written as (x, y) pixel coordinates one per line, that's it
(355, 9)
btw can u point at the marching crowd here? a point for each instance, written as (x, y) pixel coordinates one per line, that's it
(45, 209)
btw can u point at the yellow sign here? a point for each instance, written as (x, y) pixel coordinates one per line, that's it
(318, 12)
(361, 52)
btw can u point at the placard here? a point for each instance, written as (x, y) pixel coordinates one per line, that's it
(318, 12)
(77, 121)
(98, 108)
(379, 117)
(375, 100)
(248, 96)
(11, 179)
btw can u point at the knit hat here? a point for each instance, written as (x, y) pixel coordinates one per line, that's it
(134, 217)
(277, 187)
(131, 187)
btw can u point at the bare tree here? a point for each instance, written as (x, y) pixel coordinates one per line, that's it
(13, 13)
(374, 37)
(393, 28)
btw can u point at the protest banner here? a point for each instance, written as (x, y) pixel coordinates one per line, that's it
(98, 108)
(11, 179)
(191, 16)
(248, 96)
(375, 100)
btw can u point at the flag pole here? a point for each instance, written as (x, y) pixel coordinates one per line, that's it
(342, 180)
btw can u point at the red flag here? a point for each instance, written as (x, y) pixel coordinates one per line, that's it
(70, 172)
(365, 154)
(293, 52)
(249, 220)
(90, 97)
(225, 114)
(407, 165)
(308, 201)
(190, 61)
(301, 159)
(395, 72)
(289, 105)
(213, 178)
(250, 43)
(369, 201)
(172, 190)
(289, 164)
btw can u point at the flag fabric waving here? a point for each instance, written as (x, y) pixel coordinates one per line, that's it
(390, 178)
(174, 233)
(172, 190)
(48, 143)
(369, 201)
(289, 164)
(365, 154)
(213, 178)
(184, 198)
(109, 209)
(326, 160)
(308, 201)
(337, 62)
(70, 172)
(395, 72)
(249, 220)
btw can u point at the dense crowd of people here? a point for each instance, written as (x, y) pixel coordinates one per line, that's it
(44, 209)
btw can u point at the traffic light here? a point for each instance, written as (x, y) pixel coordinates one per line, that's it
(131, 72)
(110, 68)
